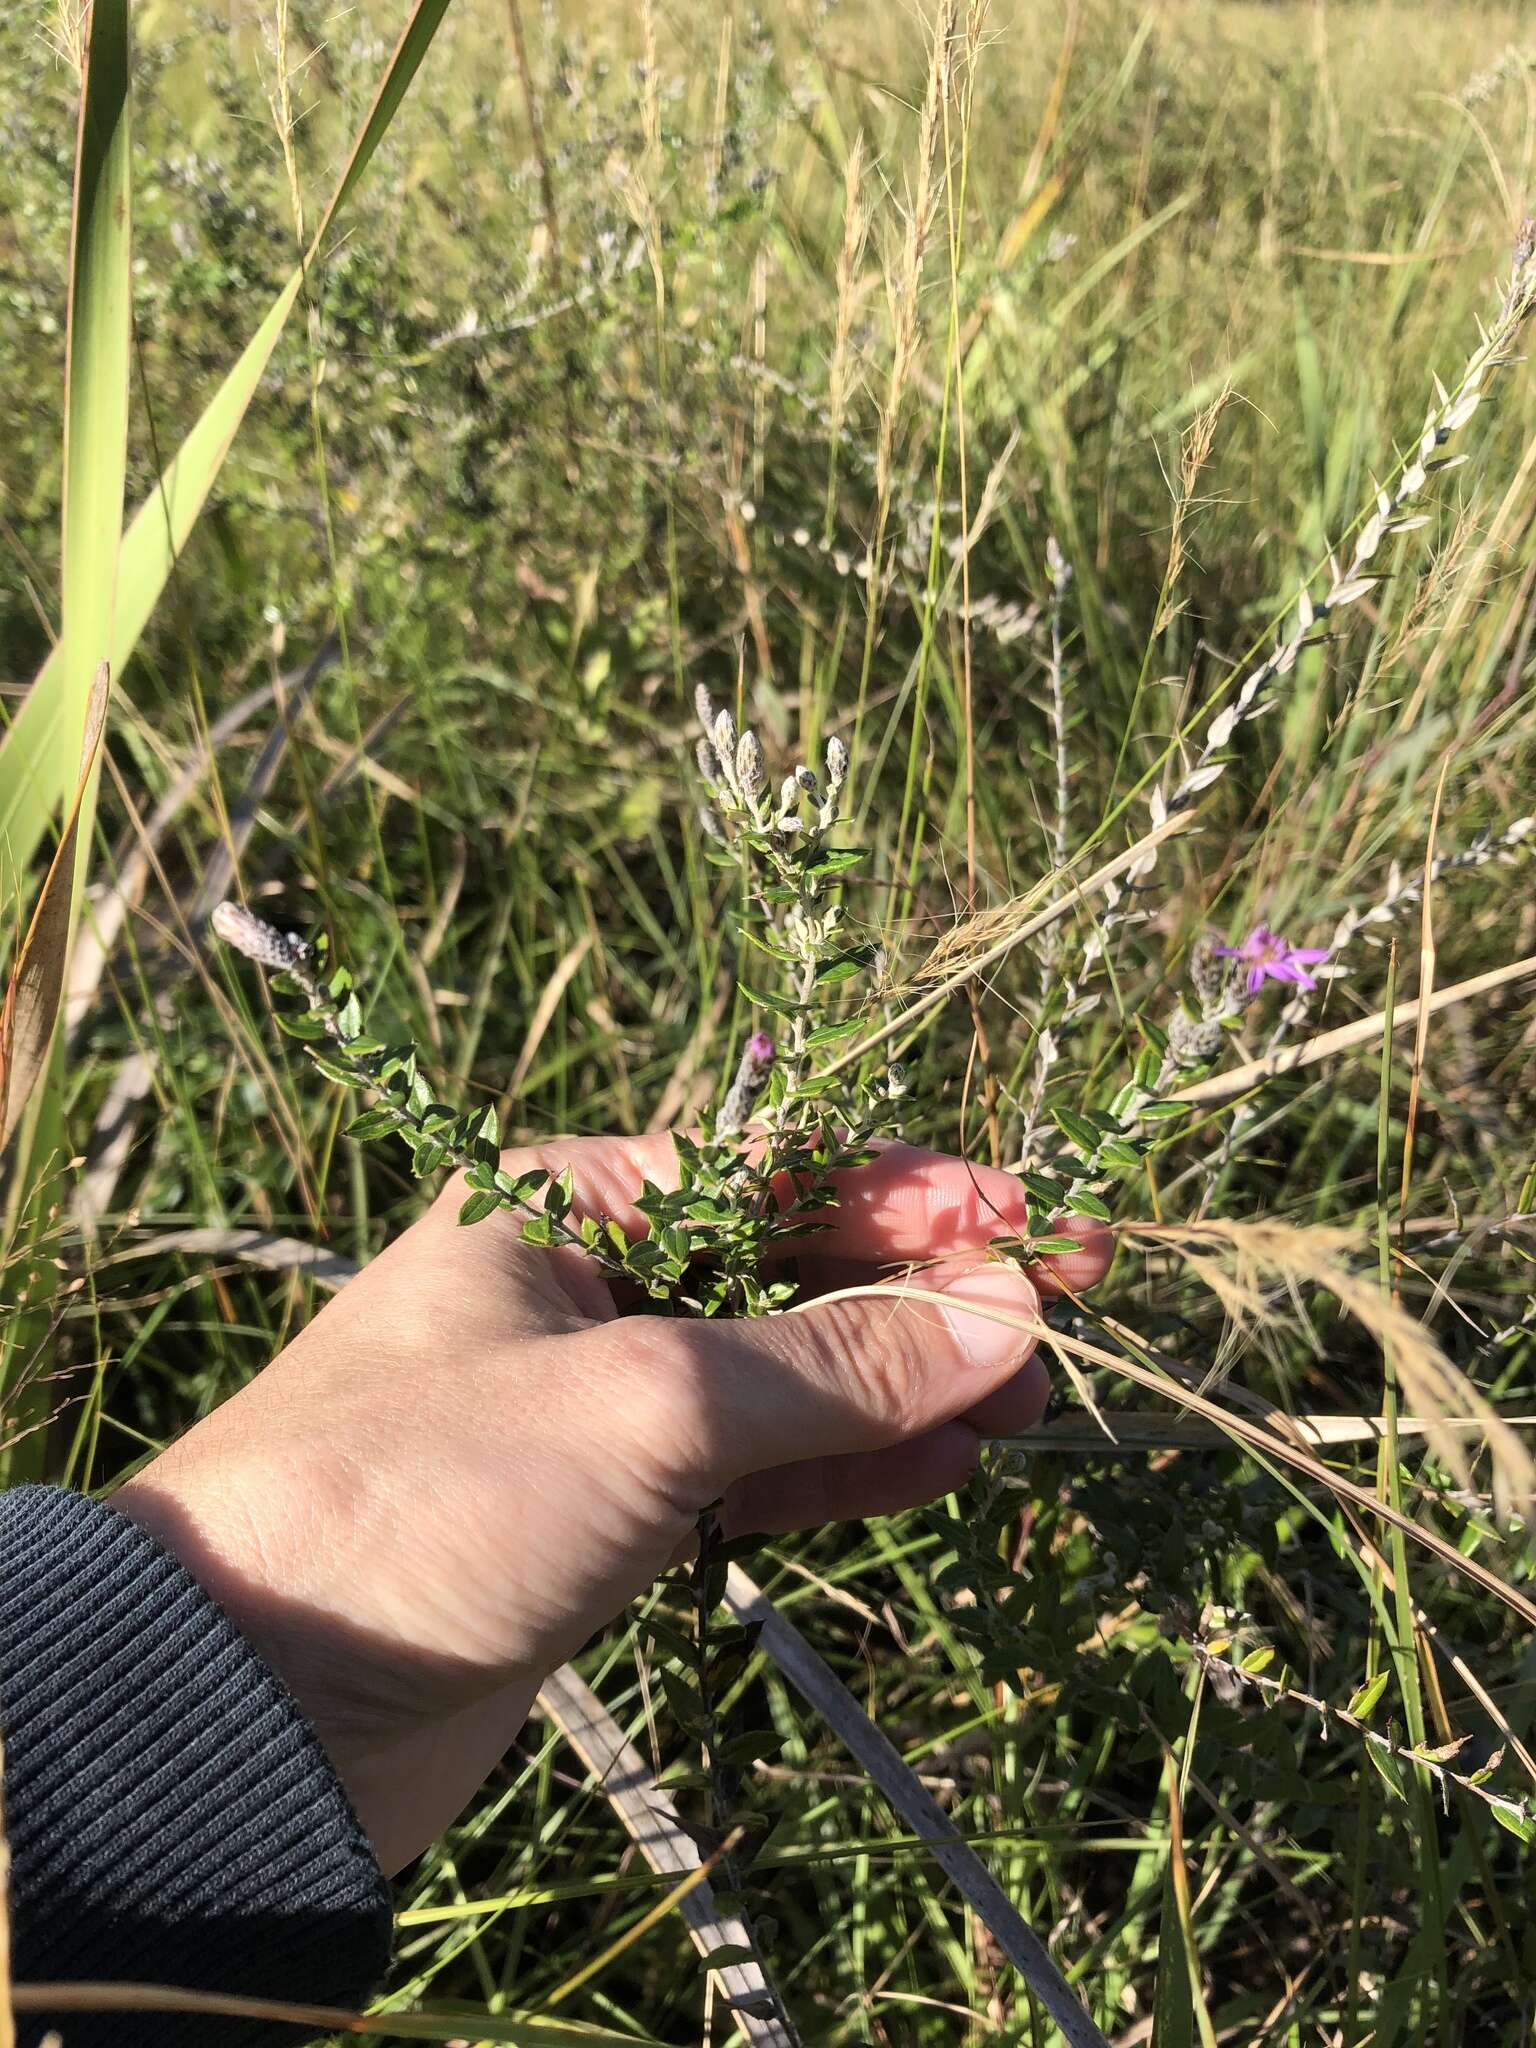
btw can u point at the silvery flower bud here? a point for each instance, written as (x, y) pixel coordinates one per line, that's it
(751, 1079)
(258, 940)
(789, 797)
(1193, 1040)
(807, 780)
(837, 762)
(750, 772)
(723, 733)
(709, 767)
(704, 705)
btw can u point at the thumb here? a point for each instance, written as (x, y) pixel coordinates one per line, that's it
(852, 1373)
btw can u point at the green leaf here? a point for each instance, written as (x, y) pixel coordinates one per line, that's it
(727, 1954)
(670, 1638)
(334, 1070)
(96, 386)
(373, 1123)
(765, 942)
(781, 1006)
(538, 1230)
(1520, 1825)
(1077, 1128)
(478, 1207)
(835, 863)
(843, 968)
(1081, 1203)
(1120, 1153)
(833, 1034)
(752, 1746)
(684, 1702)
(1053, 1247)
(303, 1024)
(1388, 1770)
(1365, 1701)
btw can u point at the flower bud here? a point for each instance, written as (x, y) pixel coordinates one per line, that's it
(751, 775)
(258, 940)
(751, 1079)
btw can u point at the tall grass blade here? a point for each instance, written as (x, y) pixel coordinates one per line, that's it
(96, 372)
(97, 357)
(36, 753)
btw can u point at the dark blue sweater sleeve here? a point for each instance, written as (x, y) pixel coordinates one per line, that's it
(172, 1818)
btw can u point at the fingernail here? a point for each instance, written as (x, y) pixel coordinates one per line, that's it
(985, 1339)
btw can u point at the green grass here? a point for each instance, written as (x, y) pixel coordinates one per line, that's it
(542, 453)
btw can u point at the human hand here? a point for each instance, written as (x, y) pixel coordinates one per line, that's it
(470, 1460)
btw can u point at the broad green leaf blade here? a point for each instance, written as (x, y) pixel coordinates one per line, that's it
(38, 752)
(96, 363)
(96, 383)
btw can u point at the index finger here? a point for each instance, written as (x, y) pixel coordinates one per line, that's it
(907, 1204)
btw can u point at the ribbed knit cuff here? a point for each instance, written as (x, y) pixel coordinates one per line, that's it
(172, 1817)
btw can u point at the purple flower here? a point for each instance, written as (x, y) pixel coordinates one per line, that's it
(1270, 956)
(759, 1049)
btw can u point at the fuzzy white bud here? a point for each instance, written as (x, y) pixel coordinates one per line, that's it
(723, 733)
(751, 775)
(257, 940)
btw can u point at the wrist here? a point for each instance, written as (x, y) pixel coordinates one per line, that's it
(411, 1733)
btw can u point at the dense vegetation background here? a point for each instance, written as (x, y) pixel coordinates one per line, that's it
(625, 356)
